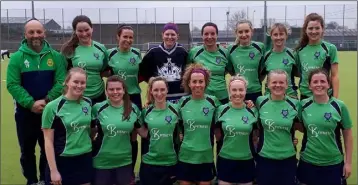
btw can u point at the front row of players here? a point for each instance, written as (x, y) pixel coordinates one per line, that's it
(73, 150)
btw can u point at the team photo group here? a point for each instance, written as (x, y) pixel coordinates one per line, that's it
(205, 116)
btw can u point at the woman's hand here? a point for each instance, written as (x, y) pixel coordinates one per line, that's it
(56, 178)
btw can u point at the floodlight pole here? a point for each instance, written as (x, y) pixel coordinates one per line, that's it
(33, 9)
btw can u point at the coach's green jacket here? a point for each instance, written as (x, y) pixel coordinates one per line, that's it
(34, 76)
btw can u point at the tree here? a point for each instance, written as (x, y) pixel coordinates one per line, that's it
(332, 25)
(234, 18)
(270, 22)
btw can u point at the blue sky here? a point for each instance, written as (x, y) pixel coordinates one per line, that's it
(195, 13)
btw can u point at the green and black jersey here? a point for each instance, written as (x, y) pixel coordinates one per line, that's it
(198, 121)
(247, 61)
(320, 55)
(112, 147)
(126, 65)
(218, 64)
(237, 125)
(285, 61)
(94, 60)
(276, 126)
(162, 134)
(323, 122)
(71, 122)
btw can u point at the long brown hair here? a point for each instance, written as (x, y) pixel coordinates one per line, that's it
(304, 38)
(68, 48)
(127, 103)
(193, 68)
(68, 78)
(150, 98)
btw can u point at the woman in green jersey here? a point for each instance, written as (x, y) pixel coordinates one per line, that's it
(112, 147)
(313, 52)
(66, 125)
(322, 160)
(235, 165)
(82, 51)
(124, 61)
(160, 118)
(197, 110)
(278, 114)
(280, 57)
(215, 58)
(246, 57)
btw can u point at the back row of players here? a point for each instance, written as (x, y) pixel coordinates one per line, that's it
(197, 110)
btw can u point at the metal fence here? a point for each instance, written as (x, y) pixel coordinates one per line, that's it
(340, 19)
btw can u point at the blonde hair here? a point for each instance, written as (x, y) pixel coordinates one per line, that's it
(277, 71)
(193, 68)
(150, 98)
(239, 78)
(244, 21)
(68, 78)
(280, 27)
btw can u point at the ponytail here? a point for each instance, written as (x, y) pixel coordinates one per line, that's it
(69, 47)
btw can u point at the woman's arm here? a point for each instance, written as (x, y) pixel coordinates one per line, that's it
(50, 155)
(335, 79)
(348, 145)
(142, 131)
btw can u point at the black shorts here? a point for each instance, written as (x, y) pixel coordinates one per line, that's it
(158, 175)
(73, 170)
(235, 171)
(310, 174)
(195, 172)
(137, 100)
(253, 96)
(278, 172)
(119, 176)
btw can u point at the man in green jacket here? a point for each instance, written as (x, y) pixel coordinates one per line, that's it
(35, 76)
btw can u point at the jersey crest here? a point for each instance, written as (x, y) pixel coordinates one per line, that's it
(170, 71)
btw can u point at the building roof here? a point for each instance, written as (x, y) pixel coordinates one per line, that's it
(20, 20)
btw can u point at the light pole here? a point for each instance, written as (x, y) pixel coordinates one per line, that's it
(253, 18)
(33, 9)
(227, 25)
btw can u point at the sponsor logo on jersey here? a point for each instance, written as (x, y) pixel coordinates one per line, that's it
(132, 61)
(76, 128)
(218, 60)
(205, 111)
(49, 62)
(284, 113)
(245, 119)
(82, 65)
(96, 55)
(243, 70)
(271, 127)
(156, 135)
(230, 129)
(327, 116)
(170, 71)
(252, 55)
(192, 126)
(85, 110)
(113, 131)
(168, 119)
(315, 132)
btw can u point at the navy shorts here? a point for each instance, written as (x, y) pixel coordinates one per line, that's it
(310, 174)
(119, 176)
(158, 175)
(195, 172)
(235, 171)
(73, 170)
(278, 172)
(253, 96)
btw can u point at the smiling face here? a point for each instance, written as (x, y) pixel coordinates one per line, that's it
(84, 33)
(237, 91)
(125, 38)
(314, 31)
(159, 91)
(277, 83)
(76, 84)
(209, 35)
(115, 92)
(244, 33)
(319, 84)
(197, 84)
(279, 37)
(170, 37)
(34, 33)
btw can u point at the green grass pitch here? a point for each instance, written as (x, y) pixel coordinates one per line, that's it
(10, 152)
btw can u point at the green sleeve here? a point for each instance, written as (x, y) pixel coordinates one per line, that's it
(138, 113)
(346, 119)
(217, 113)
(48, 115)
(229, 67)
(105, 59)
(60, 75)
(299, 110)
(268, 43)
(216, 101)
(13, 82)
(256, 112)
(94, 111)
(258, 102)
(142, 116)
(191, 55)
(333, 54)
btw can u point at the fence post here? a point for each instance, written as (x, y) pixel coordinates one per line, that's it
(8, 25)
(344, 10)
(100, 26)
(63, 26)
